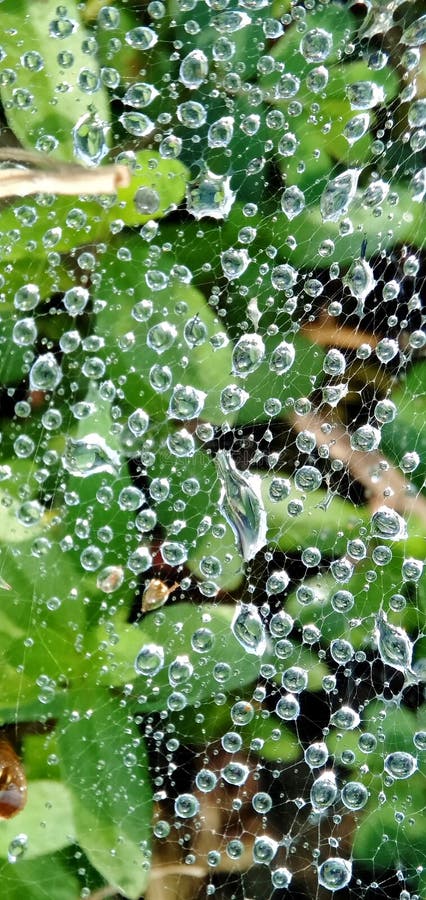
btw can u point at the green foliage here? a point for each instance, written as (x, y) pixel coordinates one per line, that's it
(91, 496)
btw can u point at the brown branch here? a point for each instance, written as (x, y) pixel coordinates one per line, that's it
(50, 177)
(326, 333)
(384, 484)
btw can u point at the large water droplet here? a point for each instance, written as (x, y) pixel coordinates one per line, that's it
(248, 354)
(210, 195)
(90, 139)
(387, 524)
(292, 202)
(323, 791)
(338, 194)
(242, 505)
(193, 69)
(186, 402)
(149, 660)
(400, 764)
(45, 373)
(89, 456)
(365, 94)
(393, 644)
(248, 628)
(335, 873)
(415, 34)
(316, 45)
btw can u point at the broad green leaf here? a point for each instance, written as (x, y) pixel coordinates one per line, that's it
(38, 879)
(105, 765)
(400, 222)
(69, 221)
(128, 345)
(328, 528)
(47, 97)
(173, 629)
(46, 819)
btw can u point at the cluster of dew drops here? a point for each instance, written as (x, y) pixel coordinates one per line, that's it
(211, 196)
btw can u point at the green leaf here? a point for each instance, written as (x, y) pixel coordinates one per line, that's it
(127, 344)
(407, 432)
(46, 820)
(42, 101)
(105, 765)
(38, 879)
(173, 629)
(400, 222)
(328, 529)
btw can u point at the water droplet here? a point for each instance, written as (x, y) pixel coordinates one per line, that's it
(90, 139)
(316, 45)
(316, 755)
(17, 848)
(149, 660)
(192, 114)
(193, 69)
(235, 773)
(221, 132)
(288, 708)
(308, 479)
(264, 850)
(206, 781)
(345, 718)
(415, 34)
(241, 504)
(387, 524)
(137, 123)
(356, 128)
(277, 583)
(281, 878)
(292, 202)
(45, 373)
(282, 358)
(186, 402)
(248, 628)
(248, 354)
(323, 792)
(400, 764)
(234, 263)
(365, 94)
(393, 644)
(334, 873)
(186, 806)
(354, 795)
(210, 196)
(338, 194)
(140, 95)
(365, 438)
(141, 38)
(89, 456)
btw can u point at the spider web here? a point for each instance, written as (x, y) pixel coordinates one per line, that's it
(213, 461)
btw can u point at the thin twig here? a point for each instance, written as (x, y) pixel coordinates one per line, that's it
(50, 177)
